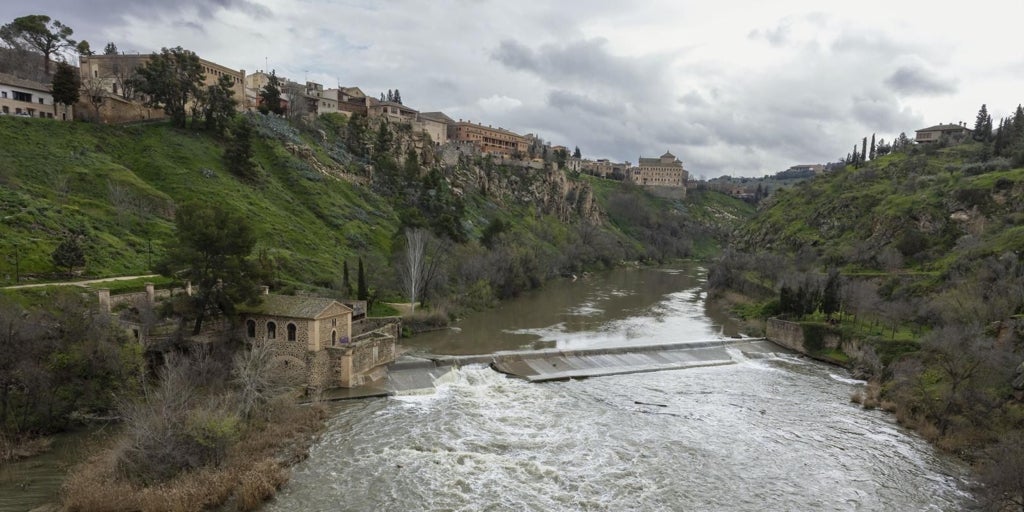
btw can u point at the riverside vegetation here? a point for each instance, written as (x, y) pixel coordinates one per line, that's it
(914, 261)
(314, 198)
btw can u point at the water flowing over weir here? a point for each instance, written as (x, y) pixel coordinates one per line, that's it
(743, 426)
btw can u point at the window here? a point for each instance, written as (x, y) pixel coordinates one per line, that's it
(271, 330)
(250, 328)
(7, 110)
(334, 338)
(40, 101)
(113, 88)
(291, 332)
(3, 94)
(22, 96)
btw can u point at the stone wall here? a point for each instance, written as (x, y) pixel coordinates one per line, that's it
(355, 364)
(391, 325)
(792, 335)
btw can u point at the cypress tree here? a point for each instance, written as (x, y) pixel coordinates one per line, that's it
(980, 122)
(362, 293)
(864, 150)
(872, 150)
(346, 282)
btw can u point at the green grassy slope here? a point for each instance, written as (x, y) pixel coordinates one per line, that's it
(119, 186)
(931, 207)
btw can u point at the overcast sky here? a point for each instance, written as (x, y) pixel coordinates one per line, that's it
(730, 87)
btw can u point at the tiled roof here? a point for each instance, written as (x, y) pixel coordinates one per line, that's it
(944, 128)
(21, 82)
(437, 116)
(292, 306)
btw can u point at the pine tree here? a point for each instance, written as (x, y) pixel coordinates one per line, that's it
(391, 95)
(362, 292)
(270, 95)
(983, 125)
(864, 150)
(238, 153)
(68, 254)
(872, 150)
(576, 153)
(398, 97)
(66, 85)
(855, 160)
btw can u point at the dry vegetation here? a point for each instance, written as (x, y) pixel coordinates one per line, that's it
(198, 440)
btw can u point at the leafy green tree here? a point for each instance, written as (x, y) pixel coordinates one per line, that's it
(83, 48)
(362, 291)
(270, 95)
(219, 104)
(211, 249)
(68, 254)
(110, 49)
(38, 32)
(238, 153)
(67, 84)
(170, 79)
(355, 134)
(831, 293)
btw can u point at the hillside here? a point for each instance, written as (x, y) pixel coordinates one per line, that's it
(909, 270)
(315, 202)
(930, 209)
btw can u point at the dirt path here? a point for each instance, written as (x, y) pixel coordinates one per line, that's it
(79, 283)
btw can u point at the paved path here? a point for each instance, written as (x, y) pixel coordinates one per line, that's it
(79, 283)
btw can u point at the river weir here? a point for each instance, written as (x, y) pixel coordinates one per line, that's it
(762, 430)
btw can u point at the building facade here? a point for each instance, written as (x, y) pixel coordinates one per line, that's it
(27, 98)
(111, 76)
(435, 124)
(952, 132)
(488, 139)
(664, 171)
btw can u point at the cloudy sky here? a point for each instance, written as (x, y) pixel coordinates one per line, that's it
(731, 87)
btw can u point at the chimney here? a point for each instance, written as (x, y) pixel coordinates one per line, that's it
(264, 290)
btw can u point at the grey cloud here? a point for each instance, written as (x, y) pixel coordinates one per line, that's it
(916, 80)
(776, 36)
(566, 100)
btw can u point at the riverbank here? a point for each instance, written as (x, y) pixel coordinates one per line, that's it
(253, 470)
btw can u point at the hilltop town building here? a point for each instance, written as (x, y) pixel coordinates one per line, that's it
(488, 139)
(27, 98)
(665, 171)
(605, 168)
(952, 132)
(112, 76)
(435, 124)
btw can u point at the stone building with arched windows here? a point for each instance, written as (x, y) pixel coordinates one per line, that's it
(312, 341)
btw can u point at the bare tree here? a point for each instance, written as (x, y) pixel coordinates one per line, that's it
(94, 92)
(421, 264)
(257, 384)
(415, 247)
(1003, 474)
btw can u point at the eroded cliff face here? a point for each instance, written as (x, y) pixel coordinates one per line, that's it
(510, 182)
(505, 182)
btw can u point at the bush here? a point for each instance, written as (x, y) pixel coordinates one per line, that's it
(991, 165)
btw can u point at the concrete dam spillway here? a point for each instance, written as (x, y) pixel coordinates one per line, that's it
(412, 374)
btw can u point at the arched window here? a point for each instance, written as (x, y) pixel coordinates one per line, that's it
(250, 328)
(291, 332)
(271, 330)
(334, 337)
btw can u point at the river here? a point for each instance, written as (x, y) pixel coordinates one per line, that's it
(766, 433)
